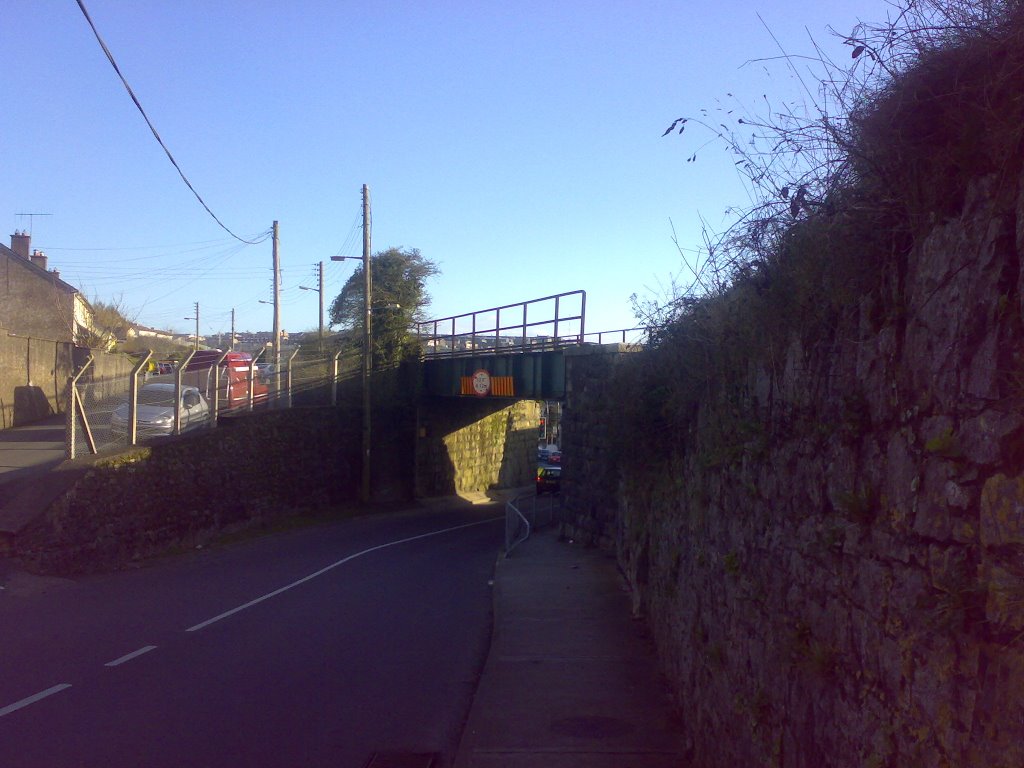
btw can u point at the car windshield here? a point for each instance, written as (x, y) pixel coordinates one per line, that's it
(150, 396)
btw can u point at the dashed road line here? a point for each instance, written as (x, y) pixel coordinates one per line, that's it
(28, 701)
(130, 656)
(33, 699)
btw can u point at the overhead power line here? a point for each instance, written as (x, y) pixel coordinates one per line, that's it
(110, 58)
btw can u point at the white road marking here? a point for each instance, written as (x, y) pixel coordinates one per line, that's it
(33, 699)
(130, 656)
(330, 567)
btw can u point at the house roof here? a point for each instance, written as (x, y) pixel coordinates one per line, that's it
(139, 327)
(46, 274)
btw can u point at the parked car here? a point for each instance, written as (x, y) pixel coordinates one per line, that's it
(154, 416)
(549, 454)
(549, 480)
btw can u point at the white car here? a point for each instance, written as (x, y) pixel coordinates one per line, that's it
(155, 413)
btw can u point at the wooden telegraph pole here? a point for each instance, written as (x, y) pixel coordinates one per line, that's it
(364, 490)
(367, 344)
(277, 302)
(320, 272)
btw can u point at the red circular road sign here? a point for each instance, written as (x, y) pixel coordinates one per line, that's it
(481, 383)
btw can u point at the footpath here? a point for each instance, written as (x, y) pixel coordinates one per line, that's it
(571, 680)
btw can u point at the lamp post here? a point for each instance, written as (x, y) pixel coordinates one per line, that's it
(364, 493)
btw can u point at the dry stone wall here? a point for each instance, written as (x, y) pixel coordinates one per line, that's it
(833, 564)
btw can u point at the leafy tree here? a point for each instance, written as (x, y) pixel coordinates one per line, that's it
(109, 324)
(399, 298)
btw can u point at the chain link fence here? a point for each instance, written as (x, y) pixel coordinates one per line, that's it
(107, 413)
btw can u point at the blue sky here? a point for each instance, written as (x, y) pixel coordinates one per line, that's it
(517, 145)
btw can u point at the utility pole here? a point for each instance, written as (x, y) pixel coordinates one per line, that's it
(196, 318)
(231, 344)
(319, 289)
(277, 302)
(364, 493)
(320, 274)
(367, 344)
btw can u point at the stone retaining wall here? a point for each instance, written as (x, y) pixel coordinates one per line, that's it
(470, 444)
(182, 491)
(832, 561)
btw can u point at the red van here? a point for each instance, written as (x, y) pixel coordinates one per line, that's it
(235, 370)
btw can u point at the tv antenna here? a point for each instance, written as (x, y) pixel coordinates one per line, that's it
(31, 218)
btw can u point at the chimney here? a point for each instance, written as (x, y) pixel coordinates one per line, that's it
(20, 242)
(39, 259)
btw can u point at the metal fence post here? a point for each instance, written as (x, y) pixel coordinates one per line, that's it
(334, 387)
(288, 381)
(177, 390)
(215, 398)
(251, 377)
(74, 406)
(133, 398)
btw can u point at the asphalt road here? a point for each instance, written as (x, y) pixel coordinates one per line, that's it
(315, 647)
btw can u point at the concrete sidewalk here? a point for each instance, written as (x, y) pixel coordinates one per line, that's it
(571, 679)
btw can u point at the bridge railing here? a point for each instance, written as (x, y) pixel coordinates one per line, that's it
(634, 336)
(550, 322)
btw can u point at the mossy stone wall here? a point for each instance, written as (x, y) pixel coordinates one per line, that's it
(830, 548)
(180, 491)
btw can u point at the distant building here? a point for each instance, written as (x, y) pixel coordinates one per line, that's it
(35, 302)
(135, 331)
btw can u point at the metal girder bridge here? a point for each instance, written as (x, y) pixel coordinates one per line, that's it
(512, 351)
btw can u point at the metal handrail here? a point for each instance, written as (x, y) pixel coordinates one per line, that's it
(513, 518)
(434, 330)
(517, 525)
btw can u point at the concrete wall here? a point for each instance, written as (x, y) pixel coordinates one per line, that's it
(475, 444)
(832, 557)
(34, 374)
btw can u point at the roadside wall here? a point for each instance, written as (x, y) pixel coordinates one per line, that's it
(182, 491)
(832, 558)
(590, 457)
(34, 374)
(475, 444)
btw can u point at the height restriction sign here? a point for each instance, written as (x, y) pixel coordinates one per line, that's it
(482, 383)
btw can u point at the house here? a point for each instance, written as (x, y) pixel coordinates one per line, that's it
(35, 302)
(136, 331)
